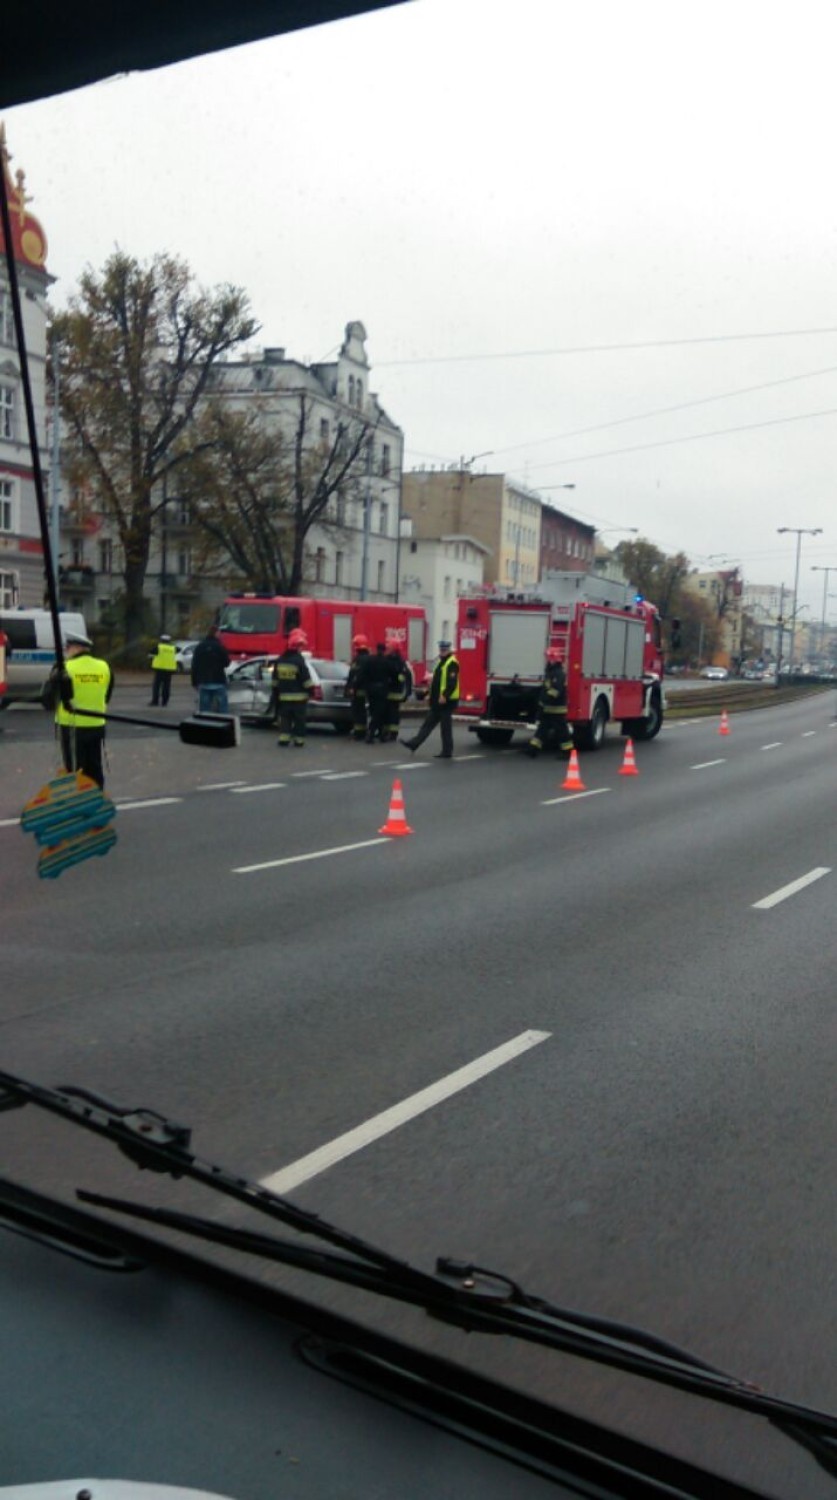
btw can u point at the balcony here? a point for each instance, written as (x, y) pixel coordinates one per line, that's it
(82, 577)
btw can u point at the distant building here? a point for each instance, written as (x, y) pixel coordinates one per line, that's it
(722, 590)
(435, 572)
(567, 545)
(21, 549)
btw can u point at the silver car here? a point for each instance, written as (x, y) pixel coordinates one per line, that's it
(250, 683)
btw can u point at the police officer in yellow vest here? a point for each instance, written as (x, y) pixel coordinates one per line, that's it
(164, 666)
(444, 696)
(86, 683)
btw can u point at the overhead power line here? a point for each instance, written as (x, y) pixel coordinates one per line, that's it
(717, 338)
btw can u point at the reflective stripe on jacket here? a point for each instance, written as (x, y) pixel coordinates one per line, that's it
(449, 679)
(292, 678)
(90, 681)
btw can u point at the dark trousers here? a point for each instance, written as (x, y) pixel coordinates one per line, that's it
(160, 688)
(393, 717)
(359, 715)
(441, 714)
(552, 733)
(378, 708)
(292, 721)
(81, 750)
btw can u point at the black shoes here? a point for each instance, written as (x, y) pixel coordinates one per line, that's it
(408, 745)
(443, 755)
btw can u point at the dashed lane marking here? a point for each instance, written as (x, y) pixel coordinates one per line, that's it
(412, 765)
(774, 745)
(790, 890)
(705, 764)
(806, 733)
(219, 786)
(342, 775)
(265, 786)
(337, 1150)
(298, 775)
(576, 796)
(298, 859)
(147, 802)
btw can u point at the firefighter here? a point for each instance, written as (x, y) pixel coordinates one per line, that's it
(444, 696)
(86, 683)
(292, 686)
(164, 666)
(552, 729)
(354, 686)
(400, 688)
(375, 679)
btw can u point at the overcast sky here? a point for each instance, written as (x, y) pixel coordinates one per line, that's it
(498, 189)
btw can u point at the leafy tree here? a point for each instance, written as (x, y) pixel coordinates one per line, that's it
(258, 486)
(654, 574)
(137, 346)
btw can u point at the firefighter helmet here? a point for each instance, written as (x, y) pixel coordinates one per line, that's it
(297, 640)
(360, 643)
(554, 653)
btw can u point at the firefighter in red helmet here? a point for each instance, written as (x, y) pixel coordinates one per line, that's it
(355, 685)
(292, 684)
(552, 730)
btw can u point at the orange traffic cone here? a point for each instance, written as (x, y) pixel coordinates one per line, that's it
(629, 765)
(396, 824)
(724, 727)
(572, 781)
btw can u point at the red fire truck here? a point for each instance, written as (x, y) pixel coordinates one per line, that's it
(259, 625)
(612, 649)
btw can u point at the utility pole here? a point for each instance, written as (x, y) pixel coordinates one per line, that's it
(800, 532)
(367, 518)
(55, 476)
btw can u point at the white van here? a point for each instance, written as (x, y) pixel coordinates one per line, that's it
(30, 652)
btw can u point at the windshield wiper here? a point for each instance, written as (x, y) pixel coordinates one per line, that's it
(461, 1293)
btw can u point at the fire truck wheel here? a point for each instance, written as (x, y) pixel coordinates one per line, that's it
(591, 735)
(647, 728)
(496, 737)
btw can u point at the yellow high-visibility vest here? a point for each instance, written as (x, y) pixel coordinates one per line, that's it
(452, 697)
(165, 659)
(91, 679)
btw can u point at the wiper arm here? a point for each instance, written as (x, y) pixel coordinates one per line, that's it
(460, 1293)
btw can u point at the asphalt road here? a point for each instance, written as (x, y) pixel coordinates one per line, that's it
(656, 1141)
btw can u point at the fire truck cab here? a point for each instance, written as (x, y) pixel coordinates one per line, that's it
(611, 643)
(260, 624)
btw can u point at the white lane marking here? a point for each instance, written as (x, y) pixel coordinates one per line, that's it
(219, 786)
(469, 757)
(300, 1171)
(298, 775)
(343, 775)
(575, 796)
(807, 733)
(10, 823)
(265, 786)
(791, 890)
(774, 745)
(412, 765)
(298, 859)
(149, 802)
(705, 764)
(384, 762)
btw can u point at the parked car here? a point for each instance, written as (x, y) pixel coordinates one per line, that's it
(249, 685)
(715, 674)
(183, 654)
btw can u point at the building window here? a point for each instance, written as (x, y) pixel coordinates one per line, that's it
(414, 546)
(385, 458)
(106, 556)
(338, 567)
(7, 506)
(182, 511)
(184, 562)
(446, 588)
(77, 553)
(7, 322)
(351, 390)
(324, 430)
(381, 567)
(383, 526)
(359, 391)
(7, 412)
(319, 565)
(9, 590)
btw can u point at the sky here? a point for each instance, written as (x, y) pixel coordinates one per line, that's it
(591, 244)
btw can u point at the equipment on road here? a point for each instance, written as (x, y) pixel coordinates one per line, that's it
(629, 766)
(396, 824)
(723, 727)
(608, 637)
(572, 781)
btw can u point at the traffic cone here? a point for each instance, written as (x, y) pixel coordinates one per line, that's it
(396, 824)
(724, 727)
(629, 765)
(572, 781)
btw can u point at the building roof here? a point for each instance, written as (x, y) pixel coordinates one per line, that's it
(28, 239)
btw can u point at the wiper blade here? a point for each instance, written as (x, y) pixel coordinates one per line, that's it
(459, 1293)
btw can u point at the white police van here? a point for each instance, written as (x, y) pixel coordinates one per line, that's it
(30, 652)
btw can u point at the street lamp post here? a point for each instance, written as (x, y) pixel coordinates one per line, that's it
(826, 571)
(799, 532)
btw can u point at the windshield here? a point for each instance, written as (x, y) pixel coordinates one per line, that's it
(525, 305)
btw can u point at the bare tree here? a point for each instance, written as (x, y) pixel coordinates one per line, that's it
(137, 348)
(256, 487)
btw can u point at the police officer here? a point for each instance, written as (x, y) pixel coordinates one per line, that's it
(552, 728)
(444, 696)
(86, 683)
(164, 666)
(355, 689)
(292, 685)
(400, 688)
